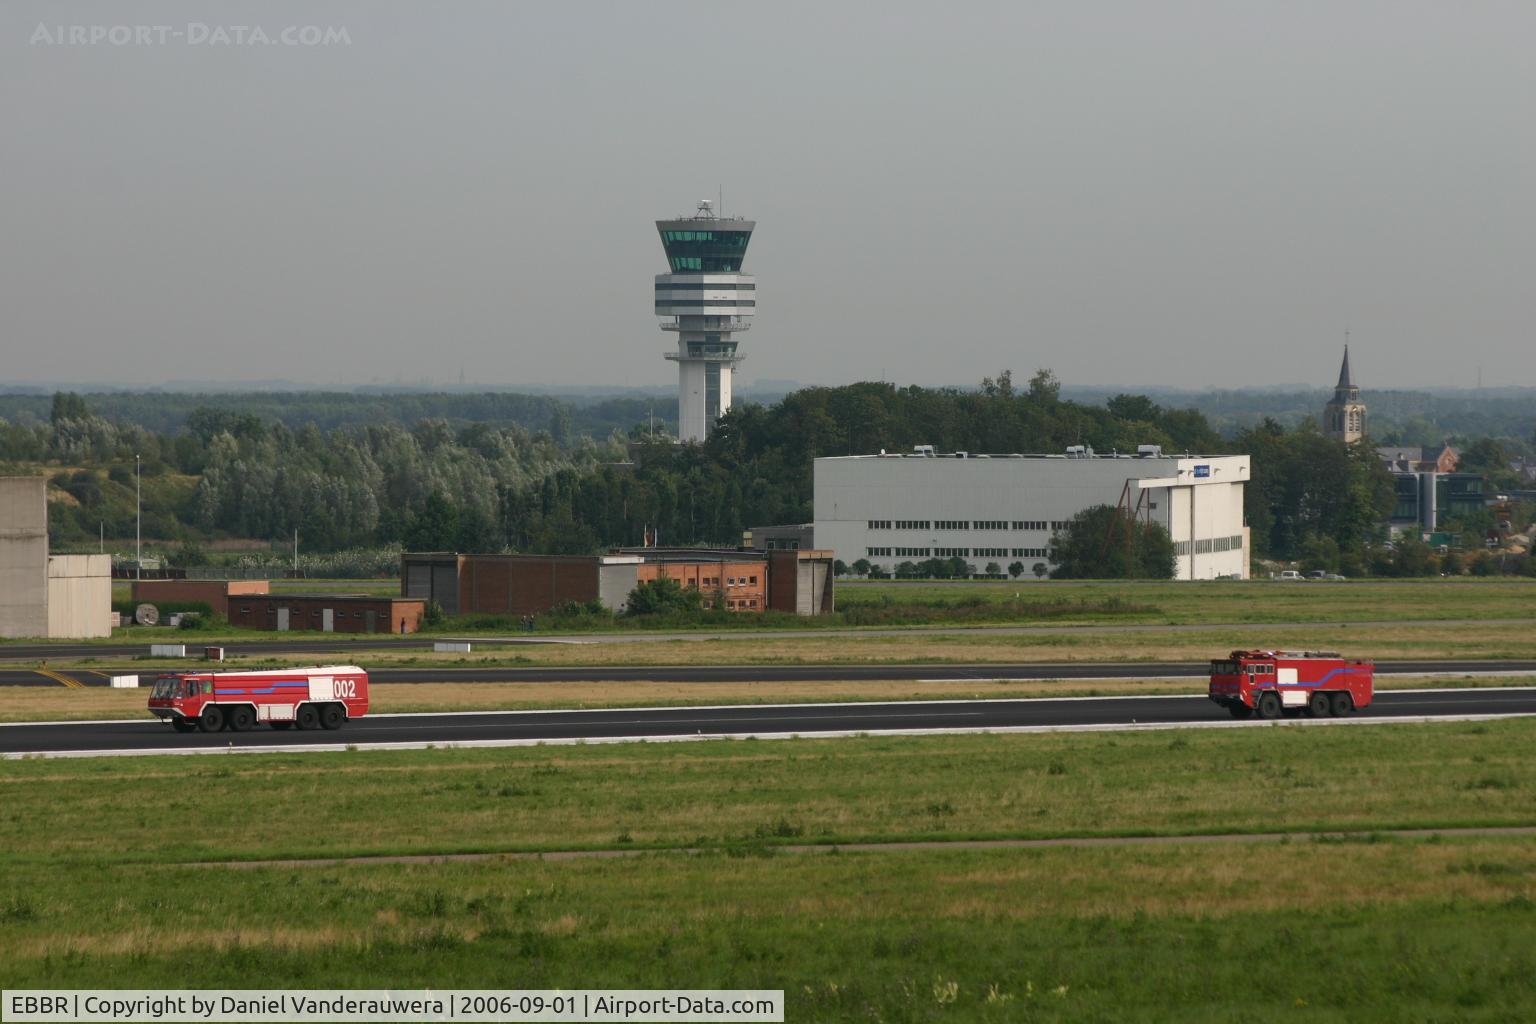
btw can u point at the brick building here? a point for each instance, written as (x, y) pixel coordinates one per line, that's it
(327, 613)
(799, 582)
(215, 594)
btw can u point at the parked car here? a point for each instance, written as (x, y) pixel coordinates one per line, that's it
(1289, 574)
(1319, 574)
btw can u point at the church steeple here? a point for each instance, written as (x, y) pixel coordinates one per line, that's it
(1344, 379)
(1344, 416)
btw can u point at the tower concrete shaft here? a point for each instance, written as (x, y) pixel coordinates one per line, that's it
(707, 300)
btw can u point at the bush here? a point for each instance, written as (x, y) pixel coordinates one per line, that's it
(432, 614)
(663, 596)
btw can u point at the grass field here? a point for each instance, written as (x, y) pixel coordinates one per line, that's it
(1193, 602)
(98, 887)
(754, 792)
(1052, 603)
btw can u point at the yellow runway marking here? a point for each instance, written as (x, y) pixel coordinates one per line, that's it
(59, 677)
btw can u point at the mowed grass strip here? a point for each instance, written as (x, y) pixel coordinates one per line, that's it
(1197, 601)
(44, 704)
(735, 793)
(1386, 931)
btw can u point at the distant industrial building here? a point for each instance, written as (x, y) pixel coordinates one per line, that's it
(797, 582)
(894, 508)
(43, 595)
(707, 300)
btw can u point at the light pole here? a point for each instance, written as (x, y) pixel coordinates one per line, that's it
(138, 523)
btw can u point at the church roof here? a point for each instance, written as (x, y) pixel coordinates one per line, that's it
(1345, 380)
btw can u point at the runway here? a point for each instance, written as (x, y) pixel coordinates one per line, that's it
(502, 728)
(862, 672)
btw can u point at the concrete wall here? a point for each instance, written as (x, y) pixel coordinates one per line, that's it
(79, 596)
(800, 582)
(23, 556)
(432, 576)
(616, 580)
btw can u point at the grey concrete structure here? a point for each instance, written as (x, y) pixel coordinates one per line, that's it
(23, 556)
(79, 596)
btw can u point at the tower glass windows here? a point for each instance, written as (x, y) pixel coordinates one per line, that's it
(712, 251)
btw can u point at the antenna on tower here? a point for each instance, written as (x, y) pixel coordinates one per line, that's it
(720, 209)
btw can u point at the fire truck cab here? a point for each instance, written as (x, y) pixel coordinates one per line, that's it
(1318, 684)
(310, 698)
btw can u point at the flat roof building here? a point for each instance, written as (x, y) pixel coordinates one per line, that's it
(894, 508)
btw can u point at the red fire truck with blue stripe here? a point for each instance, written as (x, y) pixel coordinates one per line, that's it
(310, 698)
(1318, 684)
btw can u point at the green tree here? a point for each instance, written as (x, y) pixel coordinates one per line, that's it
(436, 527)
(1015, 569)
(1101, 543)
(67, 406)
(662, 596)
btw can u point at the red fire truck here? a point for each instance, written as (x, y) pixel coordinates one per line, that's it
(1315, 683)
(311, 698)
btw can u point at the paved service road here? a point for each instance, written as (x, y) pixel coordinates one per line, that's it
(757, 720)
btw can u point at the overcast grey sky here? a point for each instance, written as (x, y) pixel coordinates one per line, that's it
(1169, 193)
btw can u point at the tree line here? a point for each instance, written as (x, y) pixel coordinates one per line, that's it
(444, 485)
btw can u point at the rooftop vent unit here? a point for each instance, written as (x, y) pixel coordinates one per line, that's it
(962, 455)
(1080, 451)
(925, 450)
(1149, 451)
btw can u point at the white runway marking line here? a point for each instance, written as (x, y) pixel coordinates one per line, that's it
(1292, 723)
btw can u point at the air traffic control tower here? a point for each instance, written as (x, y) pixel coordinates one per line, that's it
(708, 299)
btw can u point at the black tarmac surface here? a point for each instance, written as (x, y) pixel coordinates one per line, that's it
(26, 676)
(152, 736)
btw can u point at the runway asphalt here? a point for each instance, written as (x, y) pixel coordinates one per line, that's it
(19, 676)
(152, 737)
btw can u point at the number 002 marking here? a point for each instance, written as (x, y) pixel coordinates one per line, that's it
(344, 688)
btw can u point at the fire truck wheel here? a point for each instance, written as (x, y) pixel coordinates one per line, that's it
(183, 725)
(212, 718)
(1240, 711)
(241, 719)
(331, 716)
(1342, 704)
(1269, 705)
(308, 717)
(1319, 706)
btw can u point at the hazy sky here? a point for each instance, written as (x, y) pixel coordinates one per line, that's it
(1149, 192)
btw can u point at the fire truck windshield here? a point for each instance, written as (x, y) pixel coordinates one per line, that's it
(1223, 668)
(165, 686)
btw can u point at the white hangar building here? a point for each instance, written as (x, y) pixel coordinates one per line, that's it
(894, 508)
